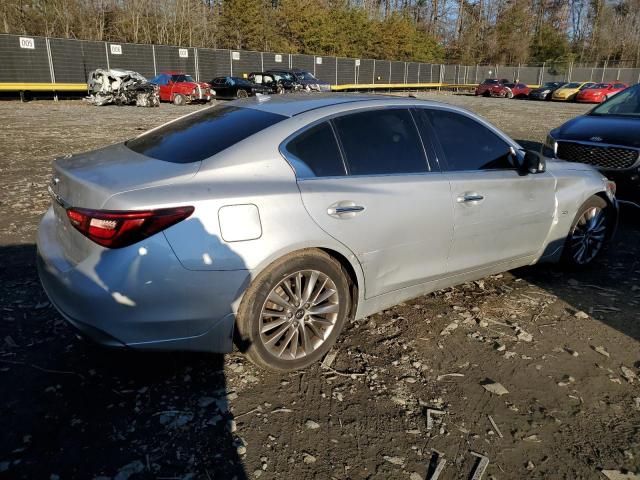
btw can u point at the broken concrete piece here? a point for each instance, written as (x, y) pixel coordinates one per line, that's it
(394, 460)
(602, 351)
(449, 328)
(581, 315)
(481, 467)
(524, 336)
(311, 425)
(628, 374)
(618, 475)
(494, 387)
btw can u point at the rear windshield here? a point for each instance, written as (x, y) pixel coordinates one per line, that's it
(203, 134)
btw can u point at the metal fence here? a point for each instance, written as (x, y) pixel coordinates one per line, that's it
(55, 60)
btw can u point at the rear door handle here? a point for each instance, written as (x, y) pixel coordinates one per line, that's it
(470, 197)
(341, 210)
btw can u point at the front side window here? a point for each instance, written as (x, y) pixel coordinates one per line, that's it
(382, 141)
(315, 153)
(181, 78)
(201, 135)
(467, 144)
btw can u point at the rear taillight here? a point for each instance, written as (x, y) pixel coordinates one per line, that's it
(117, 229)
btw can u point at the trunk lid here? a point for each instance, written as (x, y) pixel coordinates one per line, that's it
(89, 179)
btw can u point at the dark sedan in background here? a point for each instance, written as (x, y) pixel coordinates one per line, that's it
(608, 137)
(545, 91)
(303, 78)
(236, 87)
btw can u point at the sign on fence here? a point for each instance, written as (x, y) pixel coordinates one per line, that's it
(318, 60)
(183, 53)
(235, 55)
(27, 42)
(278, 58)
(115, 49)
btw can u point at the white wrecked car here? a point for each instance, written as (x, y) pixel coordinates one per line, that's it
(121, 87)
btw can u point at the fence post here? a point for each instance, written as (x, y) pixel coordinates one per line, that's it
(405, 72)
(604, 69)
(106, 52)
(336, 70)
(373, 76)
(51, 71)
(195, 62)
(231, 62)
(389, 81)
(262, 61)
(542, 73)
(419, 65)
(155, 69)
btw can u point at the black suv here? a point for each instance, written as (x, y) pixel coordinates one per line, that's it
(608, 137)
(303, 78)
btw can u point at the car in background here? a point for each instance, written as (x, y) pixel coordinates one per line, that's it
(545, 91)
(306, 80)
(569, 91)
(599, 92)
(236, 87)
(180, 88)
(503, 89)
(269, 80)
(607, 137)
(277, 222)
(485, 88)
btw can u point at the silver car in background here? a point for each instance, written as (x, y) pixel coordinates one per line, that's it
(271, 221)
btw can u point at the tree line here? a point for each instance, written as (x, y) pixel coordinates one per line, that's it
(454, 31)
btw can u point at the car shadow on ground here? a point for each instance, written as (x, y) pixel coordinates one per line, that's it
(77, 410)
(609, 289)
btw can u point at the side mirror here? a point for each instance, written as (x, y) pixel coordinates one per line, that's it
(533, 162)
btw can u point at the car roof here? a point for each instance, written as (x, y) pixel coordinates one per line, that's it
(291, 105)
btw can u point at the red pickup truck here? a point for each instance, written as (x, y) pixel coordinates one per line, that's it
(180, 88)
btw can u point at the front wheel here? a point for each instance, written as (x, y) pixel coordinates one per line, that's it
(242, 94)
(589, 232)
(294, 310)
(179, 100)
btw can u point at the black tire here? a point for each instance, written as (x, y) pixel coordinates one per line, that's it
(250, 313)
(179, 100)
(573, 244)
(242, 94)
(509, 93)
(486, 94)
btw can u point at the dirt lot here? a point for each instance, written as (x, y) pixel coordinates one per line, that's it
(564, 345)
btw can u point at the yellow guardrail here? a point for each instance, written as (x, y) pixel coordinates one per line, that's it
(42, 87)
(391, 86)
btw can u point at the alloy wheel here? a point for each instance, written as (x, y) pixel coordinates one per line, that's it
(588, 235)
(299, 314)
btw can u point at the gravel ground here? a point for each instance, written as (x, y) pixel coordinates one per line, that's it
(404, 391)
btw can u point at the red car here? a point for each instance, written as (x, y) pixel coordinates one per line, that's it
(181, 89)
(492, 87)
(599, 92)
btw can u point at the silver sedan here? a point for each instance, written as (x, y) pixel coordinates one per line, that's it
(270, 222)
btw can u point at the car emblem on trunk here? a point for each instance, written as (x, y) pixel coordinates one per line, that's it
(596, 139)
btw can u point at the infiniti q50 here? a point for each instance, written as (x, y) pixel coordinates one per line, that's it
(271, 221)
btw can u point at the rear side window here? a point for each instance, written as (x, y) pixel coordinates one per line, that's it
(381, 142)
(315, 153)
(467, 144)
(203, 134)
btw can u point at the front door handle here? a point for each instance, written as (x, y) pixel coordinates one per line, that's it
(470, 198)
(344, 210)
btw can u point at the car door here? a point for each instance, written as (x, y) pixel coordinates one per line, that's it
(220, 87)
(365, 180)
(500, 214)
(164, 90)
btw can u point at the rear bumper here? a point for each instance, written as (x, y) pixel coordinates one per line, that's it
(140, 296)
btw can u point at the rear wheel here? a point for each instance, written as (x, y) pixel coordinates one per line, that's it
(509, 93)
(589, 232)
(242, 94)
(294, 310)
(179, 100)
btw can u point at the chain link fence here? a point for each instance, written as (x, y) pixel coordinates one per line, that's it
(54, 60)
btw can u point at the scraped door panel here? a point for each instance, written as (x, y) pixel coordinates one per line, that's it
(399, 226)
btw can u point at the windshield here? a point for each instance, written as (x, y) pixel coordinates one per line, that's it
(490, 81)
(283, 76)
(572, 85)
(306, 76)
(550, 84)
(598, 85)
(181, 78)
(624, 104)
